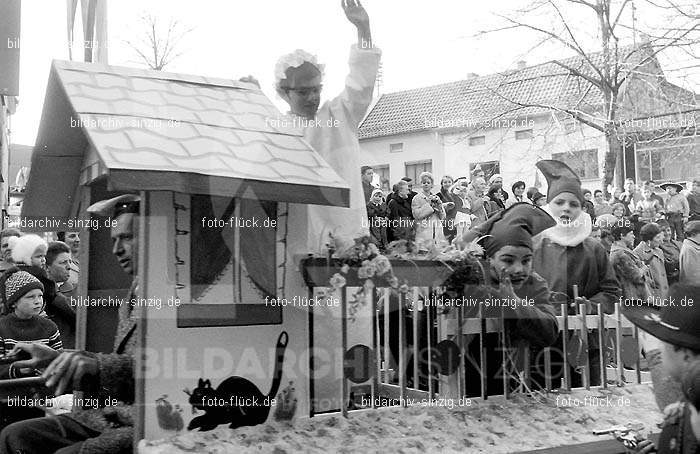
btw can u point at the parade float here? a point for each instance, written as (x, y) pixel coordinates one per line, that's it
(237, 328)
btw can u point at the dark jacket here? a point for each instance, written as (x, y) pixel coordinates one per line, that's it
(449, 228)
(590, 209)
(676, 433)
(392, 195)
(401, 225)
(672, 252)
(531, 326)
(498, 198)
(585, 264)
(693, 205)
(367, 189)
(378, 216)
(630, 272)
(116, 381)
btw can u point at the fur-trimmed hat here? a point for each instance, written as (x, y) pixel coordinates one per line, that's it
(15, 284)
(25, 246)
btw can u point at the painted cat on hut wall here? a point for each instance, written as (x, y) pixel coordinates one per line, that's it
(236, 401)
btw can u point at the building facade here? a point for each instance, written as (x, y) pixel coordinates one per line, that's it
(505, 123)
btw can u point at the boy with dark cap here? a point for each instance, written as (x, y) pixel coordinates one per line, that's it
(530, 319)
(677, 326)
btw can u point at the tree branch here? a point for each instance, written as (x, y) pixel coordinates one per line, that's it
(556, 37)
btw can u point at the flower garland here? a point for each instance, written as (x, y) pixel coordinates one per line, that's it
(371, 265)
(375, 268)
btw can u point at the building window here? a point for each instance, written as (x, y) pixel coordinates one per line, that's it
(395, 147)
(232, 261)
(477, 140)
(382, 175)
(583, 162)
(524, 134)
(489, 168)
(414, 169)
(673, 159)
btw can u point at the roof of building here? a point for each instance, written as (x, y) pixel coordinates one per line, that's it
(152, 130)
(495, 99)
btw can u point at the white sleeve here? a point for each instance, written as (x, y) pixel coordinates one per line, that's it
(359, 85)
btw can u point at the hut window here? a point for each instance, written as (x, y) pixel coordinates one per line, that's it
(233, 262)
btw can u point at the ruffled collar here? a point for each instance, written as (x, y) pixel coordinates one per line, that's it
(571, 234)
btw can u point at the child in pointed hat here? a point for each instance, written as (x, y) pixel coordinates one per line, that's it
(566, 256)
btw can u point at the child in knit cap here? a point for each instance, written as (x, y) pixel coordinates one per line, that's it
(21, 295)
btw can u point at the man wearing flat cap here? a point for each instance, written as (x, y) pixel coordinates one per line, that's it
(108, 429)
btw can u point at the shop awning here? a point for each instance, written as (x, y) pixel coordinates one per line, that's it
(150, 130)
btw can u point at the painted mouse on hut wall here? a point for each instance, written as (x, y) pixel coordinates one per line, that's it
(169, 416)
(236, 400)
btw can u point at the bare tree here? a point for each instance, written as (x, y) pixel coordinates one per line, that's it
(156, 45)
(612, 72)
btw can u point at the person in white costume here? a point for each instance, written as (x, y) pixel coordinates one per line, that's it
(332, 129)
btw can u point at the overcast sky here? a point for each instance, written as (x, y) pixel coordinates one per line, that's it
(423, 43)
